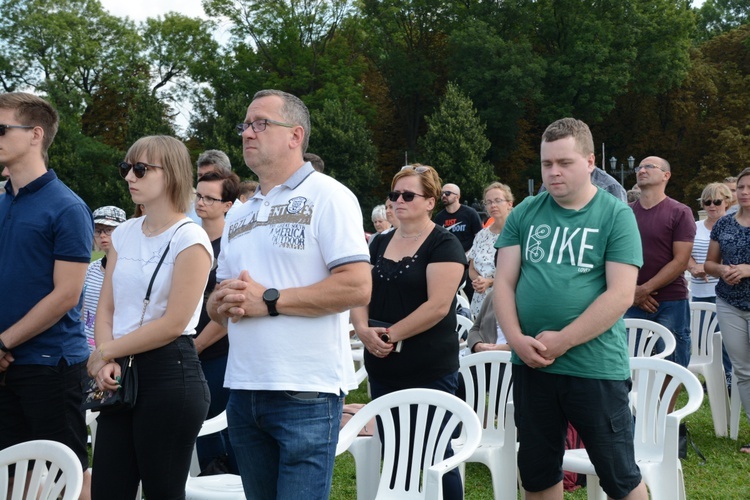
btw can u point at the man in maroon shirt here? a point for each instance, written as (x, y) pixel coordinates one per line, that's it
(667, 232)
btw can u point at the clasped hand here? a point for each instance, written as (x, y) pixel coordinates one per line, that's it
(240, 297)
(734, 273)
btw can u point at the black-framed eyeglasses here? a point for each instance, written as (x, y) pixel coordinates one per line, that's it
(106, 231)
(3, 128)
(448, 193)
(708, 203)
(420, 169)
(139, 169)
(207, 200)
(497, 201)
(406, 195)
(260, 125)
(647, 166)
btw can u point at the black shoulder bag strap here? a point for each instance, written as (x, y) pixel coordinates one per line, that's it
(147, 298)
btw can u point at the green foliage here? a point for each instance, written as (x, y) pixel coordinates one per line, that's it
(455, 144)
(719, 16)
(341, 138)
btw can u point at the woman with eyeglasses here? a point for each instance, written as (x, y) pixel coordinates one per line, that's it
(729, 260)
(106, 219)
(152, 443)
(409, 328)
(498, 200)
(214, 196)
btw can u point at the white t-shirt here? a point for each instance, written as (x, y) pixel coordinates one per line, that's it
(292, 237)
(699, 287)
(137, 257)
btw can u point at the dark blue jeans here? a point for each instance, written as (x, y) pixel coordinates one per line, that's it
(285, 442)
(154, 441)
(216, 445)
(452, 485)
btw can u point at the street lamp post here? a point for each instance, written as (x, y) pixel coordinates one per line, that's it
(613, 167)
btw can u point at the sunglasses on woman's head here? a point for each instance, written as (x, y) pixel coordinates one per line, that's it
(139, 169)
(406, 195)
(707, 203)
(420, 169)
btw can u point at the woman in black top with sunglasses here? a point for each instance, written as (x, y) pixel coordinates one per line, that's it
(416, 273)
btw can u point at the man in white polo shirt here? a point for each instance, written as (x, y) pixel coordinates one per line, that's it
(293, 262)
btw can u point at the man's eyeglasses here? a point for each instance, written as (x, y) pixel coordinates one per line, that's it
(647, 166)
(420, 169)
(448, 193)
(3, 128)
(260, 125)
(488, 203)
(106, 231)
(207, 200)
(406, 195)
(708, 203)
(139, 169)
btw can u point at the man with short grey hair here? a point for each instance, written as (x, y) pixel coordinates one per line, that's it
(211, 160)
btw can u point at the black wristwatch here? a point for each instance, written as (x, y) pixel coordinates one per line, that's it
(385, 338)
(270, 297)
(3, 348)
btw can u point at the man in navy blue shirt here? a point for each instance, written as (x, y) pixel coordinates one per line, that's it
(46, 232)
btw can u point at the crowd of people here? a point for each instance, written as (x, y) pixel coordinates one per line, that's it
(233, 296)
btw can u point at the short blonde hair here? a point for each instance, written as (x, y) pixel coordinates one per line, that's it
(711, 191)
(430, 180)
(174, 158)
(502, 187)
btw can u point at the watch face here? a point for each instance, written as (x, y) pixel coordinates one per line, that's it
(271, 295)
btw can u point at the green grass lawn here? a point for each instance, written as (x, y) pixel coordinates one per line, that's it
(725, 475)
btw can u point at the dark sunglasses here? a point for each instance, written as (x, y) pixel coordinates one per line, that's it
(406, 195)
(139, 169)
(708, 203)
(3, 128)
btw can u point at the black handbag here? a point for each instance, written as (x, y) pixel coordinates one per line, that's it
(124, 398)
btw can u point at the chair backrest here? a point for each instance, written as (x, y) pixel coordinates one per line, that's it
(463, 325)
(703, 325)
(210, 426)
(487, 377)
(655, 384)
(416, 425)
(463, 301)
(643, 336)
(56, 467)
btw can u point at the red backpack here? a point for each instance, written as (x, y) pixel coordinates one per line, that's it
(572, 480)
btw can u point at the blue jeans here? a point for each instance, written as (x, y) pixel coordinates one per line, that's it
(452, 485)
(675, 315)
(216, 445)
(285, 442)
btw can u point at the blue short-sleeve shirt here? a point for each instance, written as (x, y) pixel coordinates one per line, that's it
(43, 223)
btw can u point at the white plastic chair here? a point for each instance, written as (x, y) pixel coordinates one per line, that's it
(656, 433)
(650, 332)
(51, 459)
(463, 301)
(220, 486)
(463, 325)
(492, 401)
(422, 477)
(705, 359)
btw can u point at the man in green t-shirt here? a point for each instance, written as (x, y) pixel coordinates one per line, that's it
(567, 266)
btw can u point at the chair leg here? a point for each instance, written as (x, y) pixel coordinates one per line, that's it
(717, 397)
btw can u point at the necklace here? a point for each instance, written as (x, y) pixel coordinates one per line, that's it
(149, 231)
(400, 233)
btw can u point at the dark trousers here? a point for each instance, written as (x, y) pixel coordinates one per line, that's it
(153, 442)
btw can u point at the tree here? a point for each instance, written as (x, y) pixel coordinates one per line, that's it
(455, 144)
(341, 138)
(719, 16)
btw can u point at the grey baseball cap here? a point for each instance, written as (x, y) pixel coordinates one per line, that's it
(109, 216)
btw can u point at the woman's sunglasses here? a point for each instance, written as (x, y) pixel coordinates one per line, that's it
(406, 195)
(708, 203)
(139, 169)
